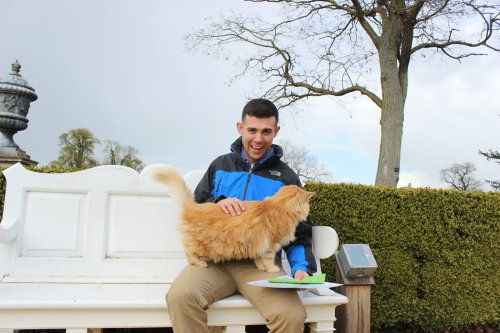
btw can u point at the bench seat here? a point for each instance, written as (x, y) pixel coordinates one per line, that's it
(63, 305)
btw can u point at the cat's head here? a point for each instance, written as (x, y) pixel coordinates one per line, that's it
(296, 198)
(294, 190)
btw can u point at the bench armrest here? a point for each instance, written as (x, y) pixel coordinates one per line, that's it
(8, 234)
(322, 291)
(325, 242)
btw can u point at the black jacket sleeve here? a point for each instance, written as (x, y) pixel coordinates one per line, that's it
(303, 236)
(202, 193)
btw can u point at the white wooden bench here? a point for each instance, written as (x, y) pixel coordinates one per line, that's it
(99, 248)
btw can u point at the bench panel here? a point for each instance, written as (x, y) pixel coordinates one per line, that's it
(61, 218)
(143, 227)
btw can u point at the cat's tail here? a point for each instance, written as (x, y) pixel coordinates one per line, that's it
(176, 184)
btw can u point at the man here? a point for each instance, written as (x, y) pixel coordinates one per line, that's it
(252, 171)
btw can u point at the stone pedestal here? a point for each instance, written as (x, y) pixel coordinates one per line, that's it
(15, 98)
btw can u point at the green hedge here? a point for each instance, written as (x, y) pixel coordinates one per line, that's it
(438, 252)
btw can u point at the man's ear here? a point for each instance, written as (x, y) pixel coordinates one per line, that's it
(239, 127)
(276, 130)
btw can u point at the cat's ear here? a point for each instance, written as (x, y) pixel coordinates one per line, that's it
(310, 194)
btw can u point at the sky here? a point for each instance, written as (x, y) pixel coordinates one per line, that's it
(121, 69)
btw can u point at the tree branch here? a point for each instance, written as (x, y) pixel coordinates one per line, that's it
(360, 14)
(490, 24)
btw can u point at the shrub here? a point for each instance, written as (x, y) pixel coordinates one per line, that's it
(437, 251)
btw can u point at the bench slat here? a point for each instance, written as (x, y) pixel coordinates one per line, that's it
(124, 305)
(99, 296)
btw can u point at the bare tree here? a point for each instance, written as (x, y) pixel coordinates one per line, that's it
(492, 155)
(303, 163)
(461, 177)
(330, 48)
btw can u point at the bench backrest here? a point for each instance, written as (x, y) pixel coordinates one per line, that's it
(105, 224)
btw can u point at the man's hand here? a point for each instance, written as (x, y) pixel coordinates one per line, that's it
(299, 275)
(233, 206)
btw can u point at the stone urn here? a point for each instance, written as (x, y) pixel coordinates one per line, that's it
(15, 98)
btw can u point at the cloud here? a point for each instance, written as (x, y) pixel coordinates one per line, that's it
(417, 179)
(121, 69)
(450, 116)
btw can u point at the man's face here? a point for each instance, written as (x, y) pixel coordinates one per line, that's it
(257, 136)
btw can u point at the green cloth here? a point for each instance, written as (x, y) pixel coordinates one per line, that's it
(314, 279)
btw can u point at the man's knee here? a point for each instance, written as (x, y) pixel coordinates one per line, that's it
(185, 297)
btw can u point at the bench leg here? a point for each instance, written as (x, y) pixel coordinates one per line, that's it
(323, 327)
(94, 330)
(235, 329)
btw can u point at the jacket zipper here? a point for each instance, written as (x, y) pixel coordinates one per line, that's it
(246, 184)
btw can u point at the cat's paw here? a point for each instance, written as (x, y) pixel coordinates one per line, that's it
(272, 269)
(261, 267)
(202, 264)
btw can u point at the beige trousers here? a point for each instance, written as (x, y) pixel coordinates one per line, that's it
(196, 288)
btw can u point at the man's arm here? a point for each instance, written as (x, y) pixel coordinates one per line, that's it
(203, 192)
(299, 252)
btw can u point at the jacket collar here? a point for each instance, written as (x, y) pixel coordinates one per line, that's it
(275, 153)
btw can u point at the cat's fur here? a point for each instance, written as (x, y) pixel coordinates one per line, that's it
(258, 233)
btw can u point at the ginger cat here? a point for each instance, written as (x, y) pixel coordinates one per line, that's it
(258, 233)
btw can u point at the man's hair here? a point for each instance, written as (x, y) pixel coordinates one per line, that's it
(260, 108)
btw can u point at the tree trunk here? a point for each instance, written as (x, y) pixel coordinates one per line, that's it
(391, 126)
(392, 111)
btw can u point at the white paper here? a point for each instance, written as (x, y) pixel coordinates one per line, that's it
(265, 283)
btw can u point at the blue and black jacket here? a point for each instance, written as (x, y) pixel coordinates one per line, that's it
(232, 176)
